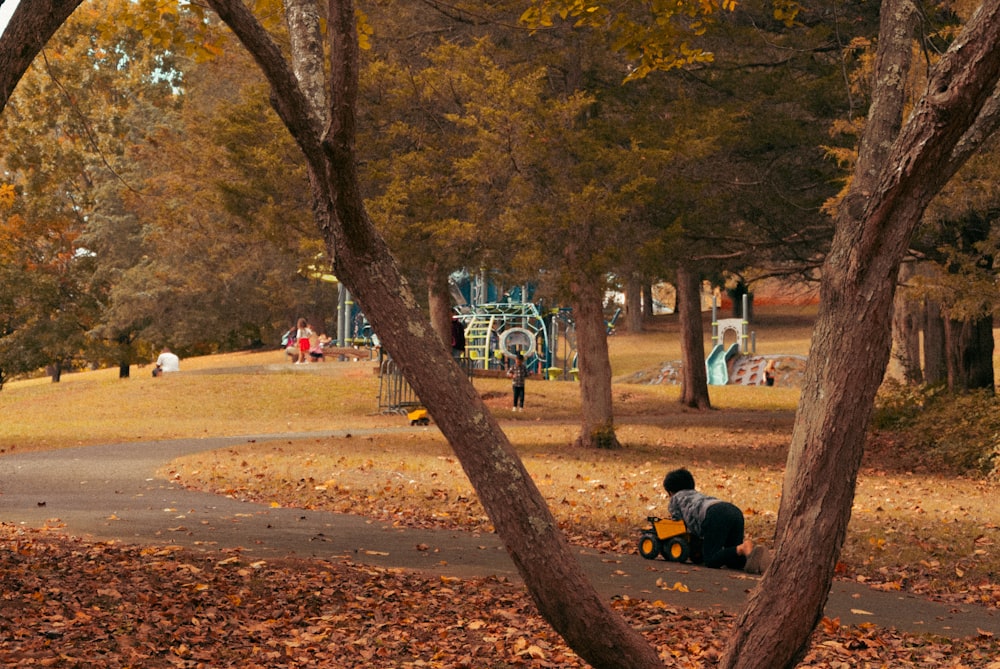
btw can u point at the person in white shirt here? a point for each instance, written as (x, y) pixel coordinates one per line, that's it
(167, 362)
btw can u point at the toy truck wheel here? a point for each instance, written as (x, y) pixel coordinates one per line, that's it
(676, 550)
(649, 546)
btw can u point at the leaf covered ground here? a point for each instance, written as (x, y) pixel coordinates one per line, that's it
(68, 603)
(72, 603)
(910, 531)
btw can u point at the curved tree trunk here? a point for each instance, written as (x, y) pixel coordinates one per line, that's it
(30, 27)
(694, 376)
(362, 261)
(896, 175)
(597, 413)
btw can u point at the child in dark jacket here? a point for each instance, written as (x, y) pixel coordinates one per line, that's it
(718, 524)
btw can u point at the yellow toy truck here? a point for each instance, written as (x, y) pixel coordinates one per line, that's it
(666, 537)
(419, 417)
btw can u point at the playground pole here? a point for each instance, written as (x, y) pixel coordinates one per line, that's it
(349, 318)
(341, 306)
(745, 344)
(715, 323)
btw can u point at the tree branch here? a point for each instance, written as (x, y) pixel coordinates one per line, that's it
(30, 28)
(286, 96)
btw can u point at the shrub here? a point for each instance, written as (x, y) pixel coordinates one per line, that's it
(961, 432)
(899, 405)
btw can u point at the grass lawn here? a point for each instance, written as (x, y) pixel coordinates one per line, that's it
(913, 529)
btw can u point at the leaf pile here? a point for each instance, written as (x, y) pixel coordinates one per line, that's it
(72, 603)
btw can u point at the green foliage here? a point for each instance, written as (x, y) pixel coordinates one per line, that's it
(898, 405)
(961, 432)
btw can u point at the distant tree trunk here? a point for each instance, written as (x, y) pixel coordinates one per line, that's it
(633, 305)
(906, 328)
(55, 369)
(694, 376)
(736, 294)
(935, 349)
(969, 340)
(647, 301)
(597, 413)
(124, 341)
(439, 303)
(898, 171)
(970, 354)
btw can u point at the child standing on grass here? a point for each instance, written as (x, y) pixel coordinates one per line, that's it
(718, 524)
(303, 335)
(518, 373)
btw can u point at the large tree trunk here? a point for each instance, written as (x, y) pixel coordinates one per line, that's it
(647, 300)
(935, 349)
(597, 414)
(906, 328)
(896, 175)
(363, 262)
(694, 375)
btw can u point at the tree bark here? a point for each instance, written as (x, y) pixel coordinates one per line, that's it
(694, 376)
(597, 412)
(895, 177)
(647, 300)
(306, 42)
(906, 328)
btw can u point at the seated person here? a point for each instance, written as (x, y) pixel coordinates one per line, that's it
(718, 524)
(316, 353)
(167, 362)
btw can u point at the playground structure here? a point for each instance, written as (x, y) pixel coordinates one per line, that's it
(721, 358)
(737, 363)
(497, 332)
(499, 326)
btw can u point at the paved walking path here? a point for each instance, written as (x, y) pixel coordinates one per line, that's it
(113, 492)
